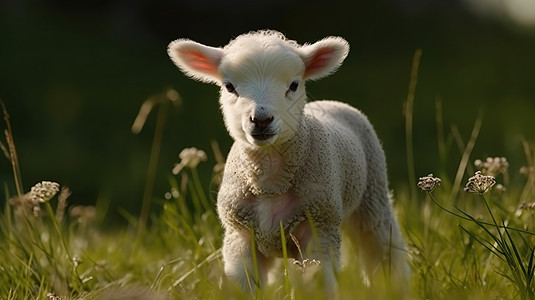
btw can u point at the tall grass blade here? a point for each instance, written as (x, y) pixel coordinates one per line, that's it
(441, 140)
(529, 187)
(207, 206)
(255, 262)
(530, 271)
(482, 226)
(468, 217)
(465, 157)
(484, 243)
(248, 276)
(153, 167)
(515, 252)
(285, 260)
(209, 258)
(409, 110)
(12, 152)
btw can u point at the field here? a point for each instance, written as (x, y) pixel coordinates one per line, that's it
(469, 235)
(118, 223)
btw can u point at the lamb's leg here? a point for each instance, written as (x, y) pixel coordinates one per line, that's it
(379, 240)
(323, 244)
(237, 256)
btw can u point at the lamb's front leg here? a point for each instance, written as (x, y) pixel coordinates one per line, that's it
(320, 242)
(237, 256)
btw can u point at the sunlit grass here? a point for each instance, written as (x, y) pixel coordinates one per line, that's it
(461, 246)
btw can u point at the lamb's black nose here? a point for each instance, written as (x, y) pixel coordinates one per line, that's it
(261, 123)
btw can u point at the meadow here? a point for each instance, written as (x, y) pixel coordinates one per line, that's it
(74, 74)
(470, 234)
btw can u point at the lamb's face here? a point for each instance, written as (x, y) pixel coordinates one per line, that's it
(262, 78)
(262, 94)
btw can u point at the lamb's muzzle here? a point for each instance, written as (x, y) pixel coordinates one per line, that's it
(291, 164)
(261, 130)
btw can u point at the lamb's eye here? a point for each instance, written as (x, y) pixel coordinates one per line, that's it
(293, 86)
(230, 88)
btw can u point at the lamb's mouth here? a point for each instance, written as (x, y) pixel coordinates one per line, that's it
(262, 136)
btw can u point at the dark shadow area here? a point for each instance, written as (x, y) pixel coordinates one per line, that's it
(74, 75)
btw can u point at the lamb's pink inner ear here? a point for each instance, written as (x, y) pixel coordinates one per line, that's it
(319, 60)
(199, 61)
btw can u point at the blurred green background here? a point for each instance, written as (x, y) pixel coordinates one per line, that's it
(73, 75)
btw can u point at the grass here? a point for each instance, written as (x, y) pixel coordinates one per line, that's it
(461, 245)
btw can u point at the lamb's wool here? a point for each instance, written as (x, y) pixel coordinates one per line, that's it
(324, 164)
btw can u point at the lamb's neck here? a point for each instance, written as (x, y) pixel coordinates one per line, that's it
(271, 170)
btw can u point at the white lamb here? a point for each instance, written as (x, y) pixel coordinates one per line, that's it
(311, 166)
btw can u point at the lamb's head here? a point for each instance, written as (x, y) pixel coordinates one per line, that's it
(262, 76)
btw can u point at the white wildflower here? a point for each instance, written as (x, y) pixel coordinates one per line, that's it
(428, 183)
(44, 191)
(306, 264)
(52, 296)
(190, 158)
(492, 166)
(479, 183)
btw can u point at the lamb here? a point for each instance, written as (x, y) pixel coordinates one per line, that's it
(315, 167)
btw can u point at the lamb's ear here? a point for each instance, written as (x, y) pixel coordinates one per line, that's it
(196, 60)
(323, 57)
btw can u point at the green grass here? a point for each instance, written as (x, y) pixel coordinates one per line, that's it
(461, 245)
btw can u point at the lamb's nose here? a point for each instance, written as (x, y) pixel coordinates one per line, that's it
(261, 122)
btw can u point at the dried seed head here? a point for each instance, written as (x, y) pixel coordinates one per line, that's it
(84, 214)
(492, 166)
(62, 202)
(52, 296)
(528, 206)
(479, 183)
(500, 188)
(190, 158)
(428, 183)
(24, 206)
(44, 191)
(306, 264)
(527, 171)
